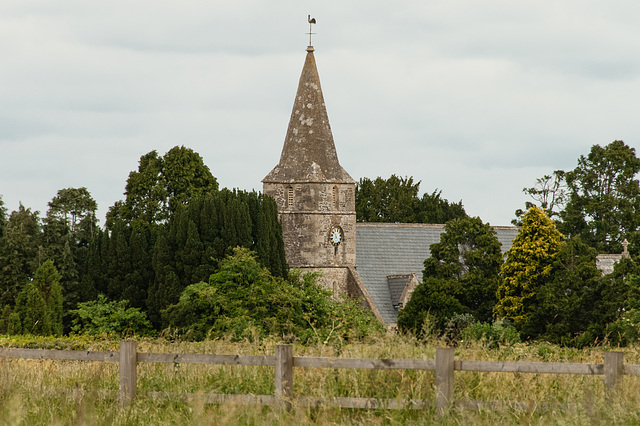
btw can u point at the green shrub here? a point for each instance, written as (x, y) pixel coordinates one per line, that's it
(244, 300)
(501, 332)
(626, 329)
(456, 324)
(112, 318)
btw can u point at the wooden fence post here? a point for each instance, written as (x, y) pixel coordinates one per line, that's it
(444, 378)
(284, 375)
(613, 369)
(128, 374)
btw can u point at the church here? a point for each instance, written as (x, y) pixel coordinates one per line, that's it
(379, 264)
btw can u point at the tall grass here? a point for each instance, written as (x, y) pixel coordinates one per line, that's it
(71, 392)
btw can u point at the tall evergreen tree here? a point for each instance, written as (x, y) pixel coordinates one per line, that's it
(529, 265)
(396, 200)
(564, 307)
(20, 254)
(619, 292)
(118, 260)
(166, 287)
(386, 200)
(460, 277)
(269, 244)
(39, 304)
(3, 219)
(137, 280)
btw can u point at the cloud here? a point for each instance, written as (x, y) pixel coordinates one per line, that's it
(475, 98)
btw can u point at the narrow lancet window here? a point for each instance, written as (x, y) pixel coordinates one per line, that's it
(290, 197)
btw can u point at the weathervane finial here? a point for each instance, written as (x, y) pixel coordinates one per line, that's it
(311, 22)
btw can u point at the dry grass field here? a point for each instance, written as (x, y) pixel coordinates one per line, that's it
(78, 392)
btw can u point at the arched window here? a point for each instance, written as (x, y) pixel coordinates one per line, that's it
(334, 197)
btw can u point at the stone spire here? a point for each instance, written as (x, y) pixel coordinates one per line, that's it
(309, 154)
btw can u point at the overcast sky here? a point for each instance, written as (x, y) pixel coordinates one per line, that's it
(476, 98)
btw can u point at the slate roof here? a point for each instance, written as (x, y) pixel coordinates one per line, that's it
(384, 249)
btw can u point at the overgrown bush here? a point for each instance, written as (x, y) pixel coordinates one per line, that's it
(244, 300)
(10, 321)
(112, 318)
(626, 329)
(456, 324)
(501, 332)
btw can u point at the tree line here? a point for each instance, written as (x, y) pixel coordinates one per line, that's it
(548, 286)
(173, 229)
(397, 199)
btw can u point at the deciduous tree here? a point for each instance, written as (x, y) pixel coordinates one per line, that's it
(161, 184)
(549, 193)
(604, 197)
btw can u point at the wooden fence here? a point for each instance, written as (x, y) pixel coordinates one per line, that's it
(284, 362)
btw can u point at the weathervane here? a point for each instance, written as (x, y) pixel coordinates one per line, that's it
(311, 22)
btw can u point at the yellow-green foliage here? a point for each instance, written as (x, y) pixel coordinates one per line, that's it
(528, 265)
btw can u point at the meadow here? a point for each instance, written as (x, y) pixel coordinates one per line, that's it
(79, 392)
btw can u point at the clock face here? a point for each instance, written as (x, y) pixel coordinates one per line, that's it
(335, 236)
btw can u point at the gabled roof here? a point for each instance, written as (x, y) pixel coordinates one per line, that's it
(309, 153)
(387, 249)
(397, 283)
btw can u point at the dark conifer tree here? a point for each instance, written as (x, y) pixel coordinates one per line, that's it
(39, 304)
(137, 281)
(119, 261)
(3, 219)
(269, 244)
(100, 271)
(190, 255)
(166, 287)
(20, 254)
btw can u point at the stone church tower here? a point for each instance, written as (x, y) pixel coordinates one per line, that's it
(315, 195)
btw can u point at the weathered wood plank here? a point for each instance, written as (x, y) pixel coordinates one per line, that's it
(371, 403)
(529, 367)
(526, 406)
(364, 363)
(613, 369)
(207, 359)
(61, 355)
(128, 371)
(212, 398)
(284, 375)
(632, 369)
(444, 378)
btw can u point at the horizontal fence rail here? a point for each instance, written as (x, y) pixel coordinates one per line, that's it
(529, 367)
(16, 353)
(364, 363)
(284, 362)
(206, 359)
